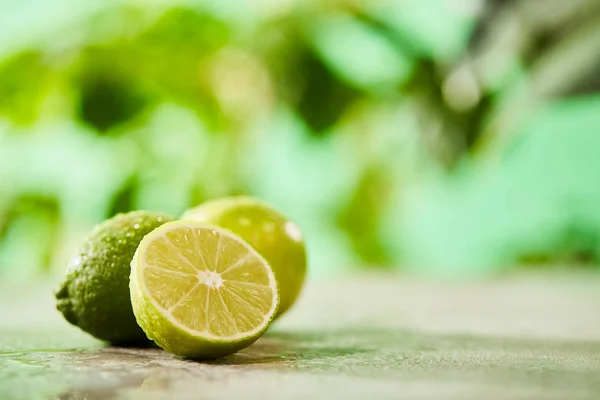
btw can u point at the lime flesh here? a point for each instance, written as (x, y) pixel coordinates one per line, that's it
(200, 291)
(275, 237)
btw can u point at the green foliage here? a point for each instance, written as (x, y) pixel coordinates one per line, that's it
(381, 127)
(22, 83)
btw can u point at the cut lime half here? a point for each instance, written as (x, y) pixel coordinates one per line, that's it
(200, 291)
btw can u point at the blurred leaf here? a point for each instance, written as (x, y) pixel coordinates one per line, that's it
(437, 29)
(360, 216)
(23, 81)
(186, 31)
(569, 61)
(358, 54)
(28, 235)
(324, 97)
(172, 59)
(107, 100)
(123, 200)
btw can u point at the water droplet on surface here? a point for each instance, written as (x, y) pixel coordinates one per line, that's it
(159, 219)
(136, 226)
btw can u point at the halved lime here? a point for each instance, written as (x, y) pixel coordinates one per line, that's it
(201, 291)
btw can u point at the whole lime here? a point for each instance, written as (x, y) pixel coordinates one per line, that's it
(275, 237)
(95, 292)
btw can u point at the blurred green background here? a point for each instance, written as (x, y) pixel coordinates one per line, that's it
(442, 137)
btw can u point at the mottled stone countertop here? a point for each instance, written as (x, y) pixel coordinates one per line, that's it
(361, 337)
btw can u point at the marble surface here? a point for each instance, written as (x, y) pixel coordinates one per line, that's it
(359, 337)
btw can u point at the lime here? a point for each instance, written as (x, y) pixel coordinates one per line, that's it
(200, 291)
(278, 239)
(95, 292)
